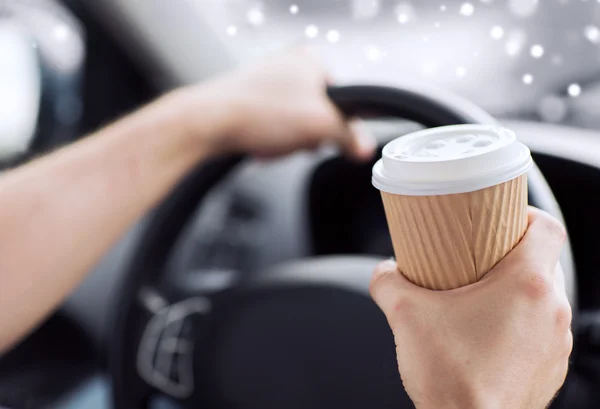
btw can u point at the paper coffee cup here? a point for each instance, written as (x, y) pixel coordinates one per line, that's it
(455, 199)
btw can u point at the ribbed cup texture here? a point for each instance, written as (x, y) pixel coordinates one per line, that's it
(449, 241)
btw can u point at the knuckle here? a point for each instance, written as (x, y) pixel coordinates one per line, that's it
(554, 228)
(321, 123)
(395, 303)
(561, 374)
(402, 316)
(564, 316)
(569, 345)
(535, 284)
(402, 309)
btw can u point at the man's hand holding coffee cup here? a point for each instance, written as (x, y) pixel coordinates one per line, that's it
(503, 342)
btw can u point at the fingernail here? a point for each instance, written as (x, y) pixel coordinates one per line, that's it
(365, 141)
(387, 265)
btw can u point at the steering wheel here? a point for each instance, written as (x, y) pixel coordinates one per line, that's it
(304, 334)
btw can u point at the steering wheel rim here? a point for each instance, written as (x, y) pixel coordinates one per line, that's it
(167, 221)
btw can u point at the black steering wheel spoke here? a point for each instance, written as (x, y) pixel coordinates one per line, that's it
(137, 392)
(168, 341)
(165, 356)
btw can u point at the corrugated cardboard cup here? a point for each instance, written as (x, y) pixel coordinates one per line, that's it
(455, 199)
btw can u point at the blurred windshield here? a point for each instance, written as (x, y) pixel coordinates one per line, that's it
(517, 58)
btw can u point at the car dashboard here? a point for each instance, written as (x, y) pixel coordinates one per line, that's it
(269, 212)
(266, 212)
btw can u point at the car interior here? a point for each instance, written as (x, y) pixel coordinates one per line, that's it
(228, 294)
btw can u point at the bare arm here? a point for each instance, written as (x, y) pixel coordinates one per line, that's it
(61, 213)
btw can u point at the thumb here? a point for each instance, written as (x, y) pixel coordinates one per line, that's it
(357, 142)
(390, 290)
(537, 253)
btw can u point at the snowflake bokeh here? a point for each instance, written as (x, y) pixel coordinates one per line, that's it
(516, 42)
(61, 32)
(574, 90)
(523, 8)
(497, 32)
(405, 13)
(487, 50)
(467, 9)
(537, 51)
(231, 30)
(311, 31)
(255, 16)
(592, 33)
(333, 36)
(374, 54)
(365, 9)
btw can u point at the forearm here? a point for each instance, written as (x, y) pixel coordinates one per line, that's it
(61, 213)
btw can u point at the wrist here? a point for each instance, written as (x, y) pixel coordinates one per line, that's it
(208, 117)
(158, 137)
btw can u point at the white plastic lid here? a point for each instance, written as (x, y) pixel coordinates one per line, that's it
(450, 159)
